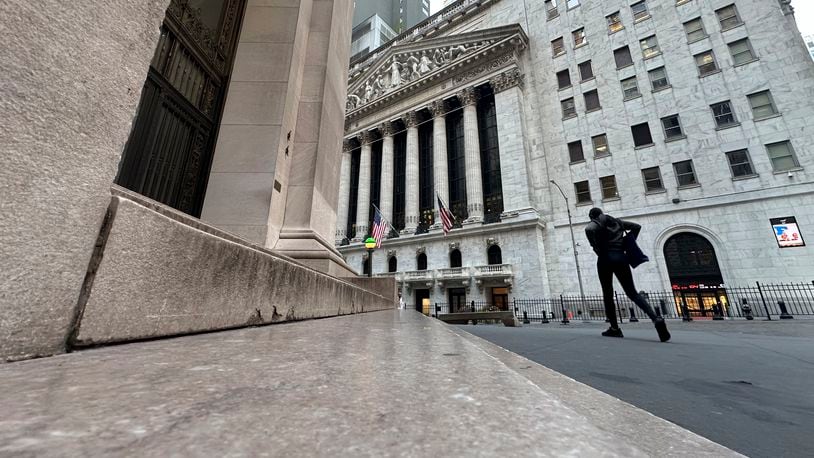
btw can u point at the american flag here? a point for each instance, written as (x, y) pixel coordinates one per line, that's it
(446, 216)
(380, 226)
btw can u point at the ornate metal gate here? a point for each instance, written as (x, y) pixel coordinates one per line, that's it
(169, 153)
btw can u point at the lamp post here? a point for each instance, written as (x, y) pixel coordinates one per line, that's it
(370, 244)
(573, 242)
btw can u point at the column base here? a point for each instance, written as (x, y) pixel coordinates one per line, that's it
(407, 231)
(309, 248)
(473, 220)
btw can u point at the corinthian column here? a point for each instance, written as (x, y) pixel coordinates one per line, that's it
(344, 193)
(411, 179)
(363, 193)
(439, 154)
(511, 129)
(474, 180)
(386, 200)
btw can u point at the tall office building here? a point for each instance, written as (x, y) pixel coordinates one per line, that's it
(375, 22)
(690, 117)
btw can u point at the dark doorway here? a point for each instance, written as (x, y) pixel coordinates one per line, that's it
(500, 298)
(457, 299)
(169, 153)
(422, 300)
(495, 255)
(455, 258)
(392, 264)
(695, 275)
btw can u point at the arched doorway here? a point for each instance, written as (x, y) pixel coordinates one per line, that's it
(392, 264)
(695, 275)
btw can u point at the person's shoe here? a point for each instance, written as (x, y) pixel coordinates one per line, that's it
(613, 332)
(661, 328)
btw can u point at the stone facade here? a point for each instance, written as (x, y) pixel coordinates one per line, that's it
(729, 206)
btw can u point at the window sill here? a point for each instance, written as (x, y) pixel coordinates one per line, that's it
(745, 177)
(784, 172)
(698, 39)
(565, 87)
(569, 117)
(632, 98)
(551, 17)
(593, 110)
(655, 192)
(690, 186)
(651, 56)
(611, 199)
(669, 86)
(576, 162)
(611, 32)
(740, 24)
(558, 55)
(585, 204)
(728, 126)
(675, 139)
(710, 73)
(649, 145)
(642, 19)
(601, 156)
(593, 78)
(581, 45)
(747, 62)
(768, 117)
(624, 66)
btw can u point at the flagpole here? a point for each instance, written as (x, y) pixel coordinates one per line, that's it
(385, 219)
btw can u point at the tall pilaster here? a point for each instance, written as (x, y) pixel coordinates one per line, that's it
(386, 199)
(514, 168)
(344, 192)
(363, 193)
(439, 153)
(411, 175)
(474, 180)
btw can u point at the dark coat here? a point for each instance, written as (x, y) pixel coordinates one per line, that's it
(606, 233)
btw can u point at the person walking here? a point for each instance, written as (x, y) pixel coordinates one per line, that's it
(606, 235)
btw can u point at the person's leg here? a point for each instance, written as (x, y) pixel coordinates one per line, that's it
(606, 280)
(625, 277)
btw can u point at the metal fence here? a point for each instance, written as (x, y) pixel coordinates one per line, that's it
(763, 300)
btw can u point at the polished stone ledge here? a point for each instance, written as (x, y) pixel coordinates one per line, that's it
(390, 383)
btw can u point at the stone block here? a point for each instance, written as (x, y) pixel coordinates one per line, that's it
(162, 274)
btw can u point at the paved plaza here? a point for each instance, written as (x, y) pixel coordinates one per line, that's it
(746, 385)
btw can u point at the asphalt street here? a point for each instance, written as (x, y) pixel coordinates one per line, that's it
(746, 385)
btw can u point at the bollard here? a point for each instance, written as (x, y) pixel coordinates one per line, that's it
(784, 313)
(747, 309)
(437, 309)
(633, 318)
(545, 317)
(526, 318)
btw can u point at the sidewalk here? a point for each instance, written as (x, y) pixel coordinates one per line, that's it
(360, 385)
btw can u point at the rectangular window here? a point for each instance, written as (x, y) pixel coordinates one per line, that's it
(706, 63)
(672, 127)
(558, 47)
(650, 47)
(569, 109)
(762, 105)
(740, 164)
(551, 9)
(609, 190)
(728, 17)
(641, 135)
(622, 57)
(614, 22)
(630, 88)
(592, 101)
(723, 114)
(583, 191)
(586, 71)
(695, 30)
(652, 179)
(685, 174)
(575, 153)
(782, 156)
(658, 79)
(601, 147)
(639, 10)
(579, 37)
(572, 4)
(741, 51)
(564, 79)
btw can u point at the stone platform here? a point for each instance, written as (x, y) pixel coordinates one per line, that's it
(377, 384)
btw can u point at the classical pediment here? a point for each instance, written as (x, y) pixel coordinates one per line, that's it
(404, 68)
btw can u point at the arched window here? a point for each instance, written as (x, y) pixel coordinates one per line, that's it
(366, 266)
(455, 258)
(494, 254)
(691, 259)
(421, 262)
(392, 264)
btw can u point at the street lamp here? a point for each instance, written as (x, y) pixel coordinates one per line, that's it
(573, 242)
(370, 244)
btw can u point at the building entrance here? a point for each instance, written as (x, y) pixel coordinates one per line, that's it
(457, 300)
(422, 301)
(168, 155)
(695, 276)
(500, 298)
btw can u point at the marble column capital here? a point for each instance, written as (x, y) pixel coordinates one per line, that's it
(347, 145)
(410, 119)
(386, 129)
(365, 138)
(437, 108)
(468, 96)
(506, 80)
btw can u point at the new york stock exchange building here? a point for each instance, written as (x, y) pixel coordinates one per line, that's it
(691, 118)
